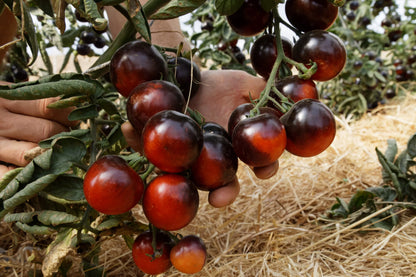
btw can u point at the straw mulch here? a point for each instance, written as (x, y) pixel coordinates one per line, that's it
(273, 228)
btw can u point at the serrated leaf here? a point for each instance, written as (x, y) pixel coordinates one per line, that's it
(54, 218)
(83, 113)
(228, 7)
(177, 8)
(66, 187)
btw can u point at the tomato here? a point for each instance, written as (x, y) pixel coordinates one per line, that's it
(243, 111)
(111, 186)
(151, 97)
(266, 172)
(216, 165)
(134, 63)
(189, 254)
(324, 48)
(250, 19)
(310, 128)
(294, 88)
(186, 73)
(144, 256)
(172, 141)
(259, 140)
(170, 201)
(215, 128)
(308, 15)
(263, 53)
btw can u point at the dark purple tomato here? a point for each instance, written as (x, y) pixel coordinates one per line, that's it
(83, 49)
(111, 186)
(215, 128)
(87, 37)
(186, 74)
(146, 258)
(323, 48)
(170, 202)
(263, 53)
(310, 128)
(250, 19)
(151, 97)
(189, 255)
(259, 140)
(308, 15)
(134, 63)
(216, 165)
(172, 141)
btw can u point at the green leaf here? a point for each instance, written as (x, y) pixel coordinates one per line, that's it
(66, 150)
(411, 146)
(359, 199)
(54, 218)
(68, 188)
(9, 176)
(94, 16)
(177, 8)
(267, 5)
(391, 150)
(108, 106)
(81, 134)
(385, 193)
(139, 20)
(84, 113)
(109, 223)
(67, 102)
(35, 229)
(20, 217)
(45, 6)
(228, 7)
(29, 29)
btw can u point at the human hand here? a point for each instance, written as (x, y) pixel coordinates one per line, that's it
(23, 124)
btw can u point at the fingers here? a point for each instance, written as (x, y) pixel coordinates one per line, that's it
(132, 137)
(39, 108)
(27, 128)
(13, 152)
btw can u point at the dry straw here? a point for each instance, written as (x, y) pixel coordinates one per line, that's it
(272, 229)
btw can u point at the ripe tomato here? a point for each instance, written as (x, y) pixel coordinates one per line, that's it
(324, 48)
(170, 202)
(172, 141)
(151, 97)
(263, 53)
(186, 73)
(134, 63)
(144, 256)
(189, 254)
(308, 15)
(215, 128)
(111, 186)
(250, 19)
(310, 128)
(216, 165)
(259, 140)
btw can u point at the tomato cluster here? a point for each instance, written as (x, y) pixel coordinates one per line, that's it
(188, 155)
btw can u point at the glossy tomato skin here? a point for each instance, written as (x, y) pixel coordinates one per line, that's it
(186, 72)
(250, 19)
(308, 15)
(151, 97)
(170, 202)
(189, 255)
(310, 128)
(111, 186)
(216, 165)
(215, 128)
(144, 256)
(243, 112)
(259, 140)
(324, 48)
(134, 63)
(295, 88)
(263, 53)
(172, 141)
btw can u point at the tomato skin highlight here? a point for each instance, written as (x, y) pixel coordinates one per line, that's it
(170, 202)
(259, 140)
(172, 141)
(189, 254)
(142, 252)
(310, 128)
(111, 186)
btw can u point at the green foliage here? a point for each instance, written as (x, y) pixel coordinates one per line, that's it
(398, 190)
